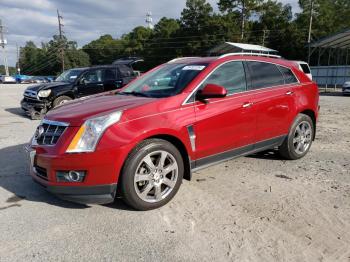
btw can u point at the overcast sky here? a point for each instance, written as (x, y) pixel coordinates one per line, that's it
(84, 20)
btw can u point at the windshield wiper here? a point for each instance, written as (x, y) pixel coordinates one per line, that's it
(133, 93)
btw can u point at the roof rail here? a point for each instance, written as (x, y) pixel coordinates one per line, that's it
(250, 54)
(180, 58)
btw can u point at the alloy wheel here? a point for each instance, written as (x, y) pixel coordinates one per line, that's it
(156, 176)
(302, 137)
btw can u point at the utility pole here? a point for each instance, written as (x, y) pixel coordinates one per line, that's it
(18, 65)
(3, 43)
(265, 32)
(243, 20)
(310, 28)
(60, 26)
(149, 20)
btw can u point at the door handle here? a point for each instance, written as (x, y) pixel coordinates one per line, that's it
(289, 93)
(99, 84)
(247, 104)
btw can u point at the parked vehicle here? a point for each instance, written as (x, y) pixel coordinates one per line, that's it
(303, 66)
(7, 80)
(346, 88)
(141, 141)
(72, 84)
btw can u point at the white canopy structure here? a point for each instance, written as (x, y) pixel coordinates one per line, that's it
(229, 47)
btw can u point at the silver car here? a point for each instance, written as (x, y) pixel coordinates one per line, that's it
(346, 88)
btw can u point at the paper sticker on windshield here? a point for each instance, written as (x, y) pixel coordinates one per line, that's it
(73, 77)
(194, 67)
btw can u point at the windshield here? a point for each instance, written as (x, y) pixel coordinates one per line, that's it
(69, 75)
(168, 80)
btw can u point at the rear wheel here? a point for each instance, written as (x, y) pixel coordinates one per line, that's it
(152, 174)
(61, 100)
(299, 139)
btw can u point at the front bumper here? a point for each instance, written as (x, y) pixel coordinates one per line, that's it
(346, 90)
(28, 104)
(101, 194)
(87, 192)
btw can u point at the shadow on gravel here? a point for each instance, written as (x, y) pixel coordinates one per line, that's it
(16, 111)
(14, 178)
(267, 155)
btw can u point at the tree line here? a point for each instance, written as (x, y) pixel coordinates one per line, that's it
(199, 28)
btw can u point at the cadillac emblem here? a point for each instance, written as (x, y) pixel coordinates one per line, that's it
(39, 132)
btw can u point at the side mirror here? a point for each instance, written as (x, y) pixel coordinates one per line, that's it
(211, 91)
(82, 81)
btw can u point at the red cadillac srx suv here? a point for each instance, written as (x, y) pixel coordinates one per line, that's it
(141, 141)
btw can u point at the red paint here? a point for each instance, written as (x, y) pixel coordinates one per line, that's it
(220, 124)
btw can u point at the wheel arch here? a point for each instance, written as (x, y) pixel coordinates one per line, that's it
(177, 142)
(312, 115)
(182, 149)
(69, 94)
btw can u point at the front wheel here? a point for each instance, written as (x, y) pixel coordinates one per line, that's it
(152, 174)
(61, 100)
(299, 139)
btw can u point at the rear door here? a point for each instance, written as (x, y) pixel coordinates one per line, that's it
(110, 81)
(91, 83)
(126, 74)
(273, 100)
(224, 124)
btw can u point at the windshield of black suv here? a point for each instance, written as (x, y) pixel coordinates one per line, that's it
(69, 75)
(168, 80)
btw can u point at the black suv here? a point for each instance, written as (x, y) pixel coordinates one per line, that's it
(75, 83)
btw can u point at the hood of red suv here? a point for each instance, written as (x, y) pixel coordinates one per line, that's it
(76, 112)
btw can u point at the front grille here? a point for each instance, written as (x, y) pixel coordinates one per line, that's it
(41, 172)
(49, 132)
(30, 93)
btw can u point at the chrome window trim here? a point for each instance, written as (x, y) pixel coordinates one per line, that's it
(56, 123)
(243, 60)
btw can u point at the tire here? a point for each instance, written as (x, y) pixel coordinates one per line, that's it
(146, 186)
(60, 100)
(298, 142)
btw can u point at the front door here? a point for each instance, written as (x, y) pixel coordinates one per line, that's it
(225, 126)
(91, 83)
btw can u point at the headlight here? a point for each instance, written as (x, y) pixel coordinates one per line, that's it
(44, 93)
(91, 131)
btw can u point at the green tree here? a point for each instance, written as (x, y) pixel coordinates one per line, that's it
(47, 59)
(104, 50)
(244, 8)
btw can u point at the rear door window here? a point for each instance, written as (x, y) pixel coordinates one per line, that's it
(110, 74)
(264, 75)
(125, 71)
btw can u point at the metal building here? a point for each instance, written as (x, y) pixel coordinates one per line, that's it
(330, 59)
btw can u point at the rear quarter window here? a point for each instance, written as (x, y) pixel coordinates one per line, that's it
(289, 77)
(305, 68)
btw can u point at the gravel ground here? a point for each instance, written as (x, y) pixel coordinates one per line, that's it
(256, 208)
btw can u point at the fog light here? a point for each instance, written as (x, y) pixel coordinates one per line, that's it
(70, 176)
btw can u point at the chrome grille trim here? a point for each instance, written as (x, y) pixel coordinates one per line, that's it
(51, 131)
